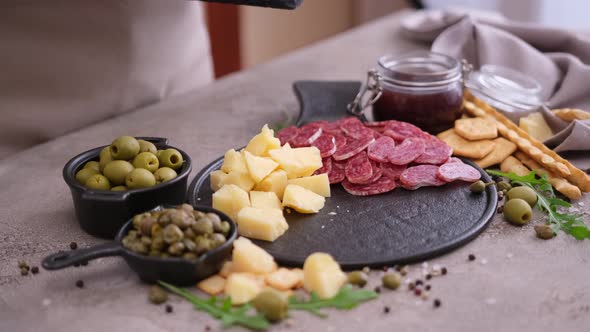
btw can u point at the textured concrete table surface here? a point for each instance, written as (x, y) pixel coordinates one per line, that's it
(517, 282)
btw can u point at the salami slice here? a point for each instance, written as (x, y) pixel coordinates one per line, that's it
(399, 131)
(420, 176)
(458, 171)
(392, 171)
(436, 152)
(381, 149)
(331, 128)
(410, 149)
(326, 144)
(378, 126)
(356, 129)
(358, 168)
(326, 166)
(340, 141)
(454, 160)
(377, 173)
(306, 135)
(286, 134)
(336, 174)
(382, 185)
(352, 147)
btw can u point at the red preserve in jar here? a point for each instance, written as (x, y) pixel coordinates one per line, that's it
(422, 88)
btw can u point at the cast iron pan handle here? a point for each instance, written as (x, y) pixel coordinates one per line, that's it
(67, 258)
(155, 140)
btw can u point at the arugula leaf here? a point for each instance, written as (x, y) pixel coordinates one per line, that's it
(347, 298)
(571, 224)
(222, 309)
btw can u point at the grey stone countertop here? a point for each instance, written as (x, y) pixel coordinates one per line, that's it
(516, 283)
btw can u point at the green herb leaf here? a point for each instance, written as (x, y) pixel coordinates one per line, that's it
(347, 298)
(222, 309)
(571, 224)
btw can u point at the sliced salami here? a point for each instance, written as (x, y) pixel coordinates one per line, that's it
(383, 185)
(378, 126)
(392, 171)
(454, 160)
(410, 149)
(377, 173)
(356, 129)
(420, 176)
(358, 168)
(326, 144)
(336, 174)
(436, 152)
(306, 135)
(458, 171)
(340, 141)
(326, 166)
(352, 147)
(286, 134)
(399, 131)
(331, 128)
(381, 149)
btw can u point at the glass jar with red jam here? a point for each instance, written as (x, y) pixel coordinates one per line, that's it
(423, 88)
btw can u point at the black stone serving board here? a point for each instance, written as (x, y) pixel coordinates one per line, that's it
(401, 226)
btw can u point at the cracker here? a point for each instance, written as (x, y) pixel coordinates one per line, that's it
(513, 165)
(560, 184)
(504, 148)
(476, 128)
(571, 114)
(465, 148)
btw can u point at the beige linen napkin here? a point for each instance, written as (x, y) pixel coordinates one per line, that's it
(558, 59)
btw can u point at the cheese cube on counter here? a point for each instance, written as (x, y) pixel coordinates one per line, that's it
(259, 167)
(230, 199)
(248, 257)
(262, 224)
(241, 288)
(302, 200)
(265, 200)
(275, 182)
(319, 184)
(322, 275)
(260, 144)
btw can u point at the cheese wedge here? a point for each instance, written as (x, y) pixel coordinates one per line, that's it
(230, 199)
(302, 200)
(275, 182)
(262, 224)
(322, 275)
(233, 161)
(319, 184)
(259, 167)
(265, 200)
(260, 144)
(248, 257)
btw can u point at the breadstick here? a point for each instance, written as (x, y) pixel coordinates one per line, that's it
(513, 165)
(571, 114)
(562, 185)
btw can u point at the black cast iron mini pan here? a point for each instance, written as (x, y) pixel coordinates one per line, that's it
(102, 213)
(177, 271)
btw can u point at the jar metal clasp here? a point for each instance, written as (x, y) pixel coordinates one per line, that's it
(367, 96)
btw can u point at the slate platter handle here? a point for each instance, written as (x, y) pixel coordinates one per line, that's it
(324, 100)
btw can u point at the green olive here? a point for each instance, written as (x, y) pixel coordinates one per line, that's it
(272, 304)
(124, 148)
(181, 219)
(203, 244)
(544, 231)
(145, 146)
(164, 174)
(83, 174)
(98, 182)
(502, 185)
(225, 227)
(202, 226)
(358, 278)
(146, 160)
(477, 187)
(172, 234)
(215, 220)
(157, 295)
(217, 240)
(119, 188)
(93, 164)
(523, 192)
(117, 170)
(170, 158)
(105, 157)
(517, 211)
(391, 280)
(140, 178)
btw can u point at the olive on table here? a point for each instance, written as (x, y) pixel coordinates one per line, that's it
(83, 174)
(95, 165)
(145, 146)
(105, 157)
(544, 231)
(272, 304)
(140, 178)
(119, 188)
(477, 187)
(170, 158)
(124, 148)
(164, 174)
(358, 278)
(517, 211)
(525, 193)
(391, 280)
(157, 295)
(98, 182)
(146, 160)
(117, 170)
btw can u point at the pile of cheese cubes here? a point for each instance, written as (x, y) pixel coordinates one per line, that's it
(255, 184)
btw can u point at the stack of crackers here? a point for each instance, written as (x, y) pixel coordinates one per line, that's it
(489, 138)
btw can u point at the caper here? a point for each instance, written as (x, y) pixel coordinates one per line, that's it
(271, 304)
(203, 226)
(133, 234)
(358, 278)
(215, 220)
(181, 219)
(186, 207)
(477, 187)
(157, 243)
(216, 240)
(198, 214)
(189, 255)
(544, 231)
(164, 219)
(189, 233)
(176, 248)
(156, 230)
(203, 244)
(137, 220)
(139, 248)
(157, 295)
(146, 225)
(391, 280)
(164, 255)
(525, 193)
(189, 244)
(146, 240)
(517, 211)
(502, 185)
(154, 253)
(225, 227)
(172, 233)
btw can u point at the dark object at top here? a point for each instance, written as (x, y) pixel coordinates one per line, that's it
(282, 4)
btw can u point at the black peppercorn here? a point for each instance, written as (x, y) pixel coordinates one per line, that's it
(207, 328)
(377, 289)
(471, 257)
(427, 287)
(418, 282)
(386, 309)
(169, 308)
(428, 276)
(500, 209)
(437, 303)
(73, 246)
(443, 271)
(80, 284)
(35, 270)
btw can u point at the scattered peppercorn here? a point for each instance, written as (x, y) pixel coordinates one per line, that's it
(417, 291)
(500, 209)
(404, 270)
(443, 271)
(377, 289)
(428, 276)
(418, 282)
(22, 264)
(386, 309)
(437, 303)
(500, 195)
(24, 271)
(427, 287)
(471, 257)
(169, 309)
(385, 268)
(207, 328)
(73, 246)
(80, 284)
(398, 268)
(411, 286)
(366, 269)
(35, 269)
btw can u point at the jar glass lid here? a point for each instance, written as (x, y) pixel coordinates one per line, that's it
(505, 86)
